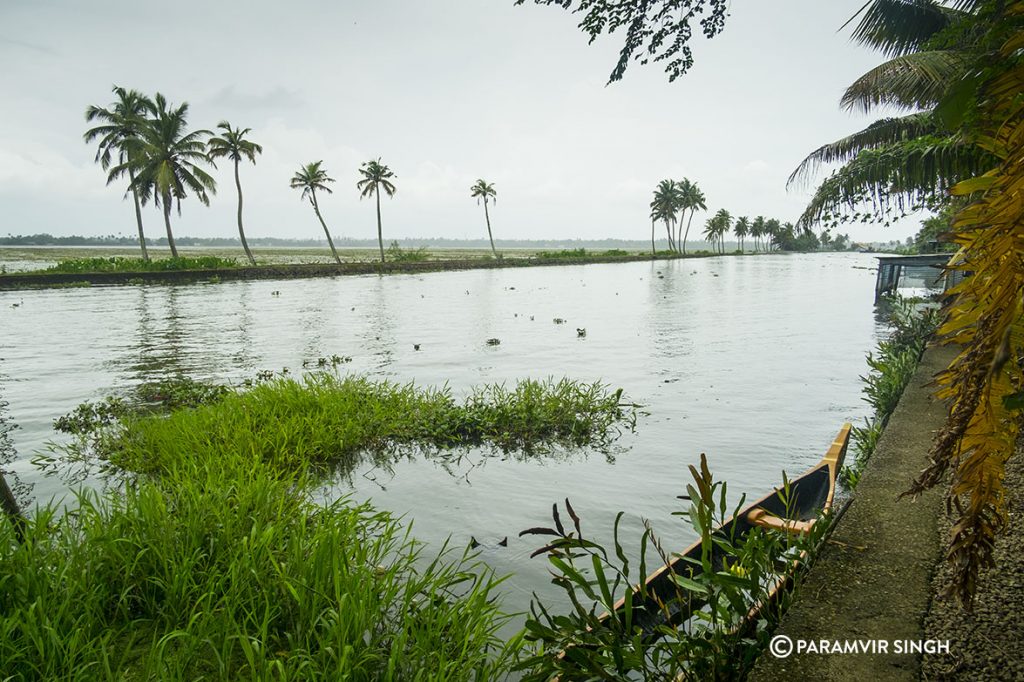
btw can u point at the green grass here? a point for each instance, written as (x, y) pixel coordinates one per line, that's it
(328, 422)
(223, 570)
(122, 264)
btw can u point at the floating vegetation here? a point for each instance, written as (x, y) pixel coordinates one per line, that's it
(327, 422)
(559, 320)
(493, 342)
(581, 332)
(122, 264)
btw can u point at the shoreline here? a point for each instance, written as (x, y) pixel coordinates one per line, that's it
(46, 280)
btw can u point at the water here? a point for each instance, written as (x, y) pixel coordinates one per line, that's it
(753, 360)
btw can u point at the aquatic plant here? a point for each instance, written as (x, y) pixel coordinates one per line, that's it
(328, 422)
(717, 642)
(225, 570)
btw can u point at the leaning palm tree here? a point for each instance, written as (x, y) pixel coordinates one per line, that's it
(694, 199)
(233, 145)
(483, 190)
(742, 229)
(376, 177)
(309, 179)
(121, 122)
(167, 162)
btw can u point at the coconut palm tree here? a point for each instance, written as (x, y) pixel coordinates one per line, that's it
(233, 145)
(483, 190)
(167, 159)
(694, 199)
(772, 231)
(309, 179)
(684, 192)
(665, 204)
(376, 177)
(904, 161)
(717, 227)
(757, 232)
(121, 122)
(742, 229)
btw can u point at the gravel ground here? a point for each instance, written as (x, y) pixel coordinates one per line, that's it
(987, 644)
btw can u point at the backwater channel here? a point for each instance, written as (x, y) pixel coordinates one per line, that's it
(753, 360)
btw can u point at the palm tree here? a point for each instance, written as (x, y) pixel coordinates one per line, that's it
(901, 162)
(684, 192)
(665, 204)
(742, 229)
(483, 190)
(233, 145)
(375, 178)
(166, 160)
(717, 227)
(309, 179)
(772, 231)
(122, 122)
(694, 199)
(757, 232)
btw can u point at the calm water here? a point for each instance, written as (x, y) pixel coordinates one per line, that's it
(754, 361)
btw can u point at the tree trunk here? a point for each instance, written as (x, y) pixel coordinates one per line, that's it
(668, 229)
(489, 235)
(138, 213)
(380, 233)
(692, 210)
(653, 251)
(167, 224)
(316, 209)
(241, 232)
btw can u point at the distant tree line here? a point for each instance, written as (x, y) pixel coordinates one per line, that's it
(672, 199)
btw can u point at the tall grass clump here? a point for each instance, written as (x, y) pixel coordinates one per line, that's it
(397, 254)
(891, 367)
(326, 421)
(223, 570)
(122, 264)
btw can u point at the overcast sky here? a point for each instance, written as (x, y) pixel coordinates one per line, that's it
(445, 92)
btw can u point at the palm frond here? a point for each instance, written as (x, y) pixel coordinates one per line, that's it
(898, 27)
(882, 132)
(917, 80)
(899, 175)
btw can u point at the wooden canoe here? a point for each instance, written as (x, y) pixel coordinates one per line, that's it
(810, 494)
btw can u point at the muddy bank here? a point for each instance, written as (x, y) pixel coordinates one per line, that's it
(298, 271)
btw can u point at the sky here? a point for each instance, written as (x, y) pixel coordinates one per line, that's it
(442, 91)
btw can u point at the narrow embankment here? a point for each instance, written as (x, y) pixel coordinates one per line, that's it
(297, 271)
(873, 578)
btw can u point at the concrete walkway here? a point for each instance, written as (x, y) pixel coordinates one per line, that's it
(872, 580)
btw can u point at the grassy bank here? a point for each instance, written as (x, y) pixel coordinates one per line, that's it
(404, 261)
(121, 264)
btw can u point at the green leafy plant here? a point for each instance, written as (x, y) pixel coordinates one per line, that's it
(711, 627)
